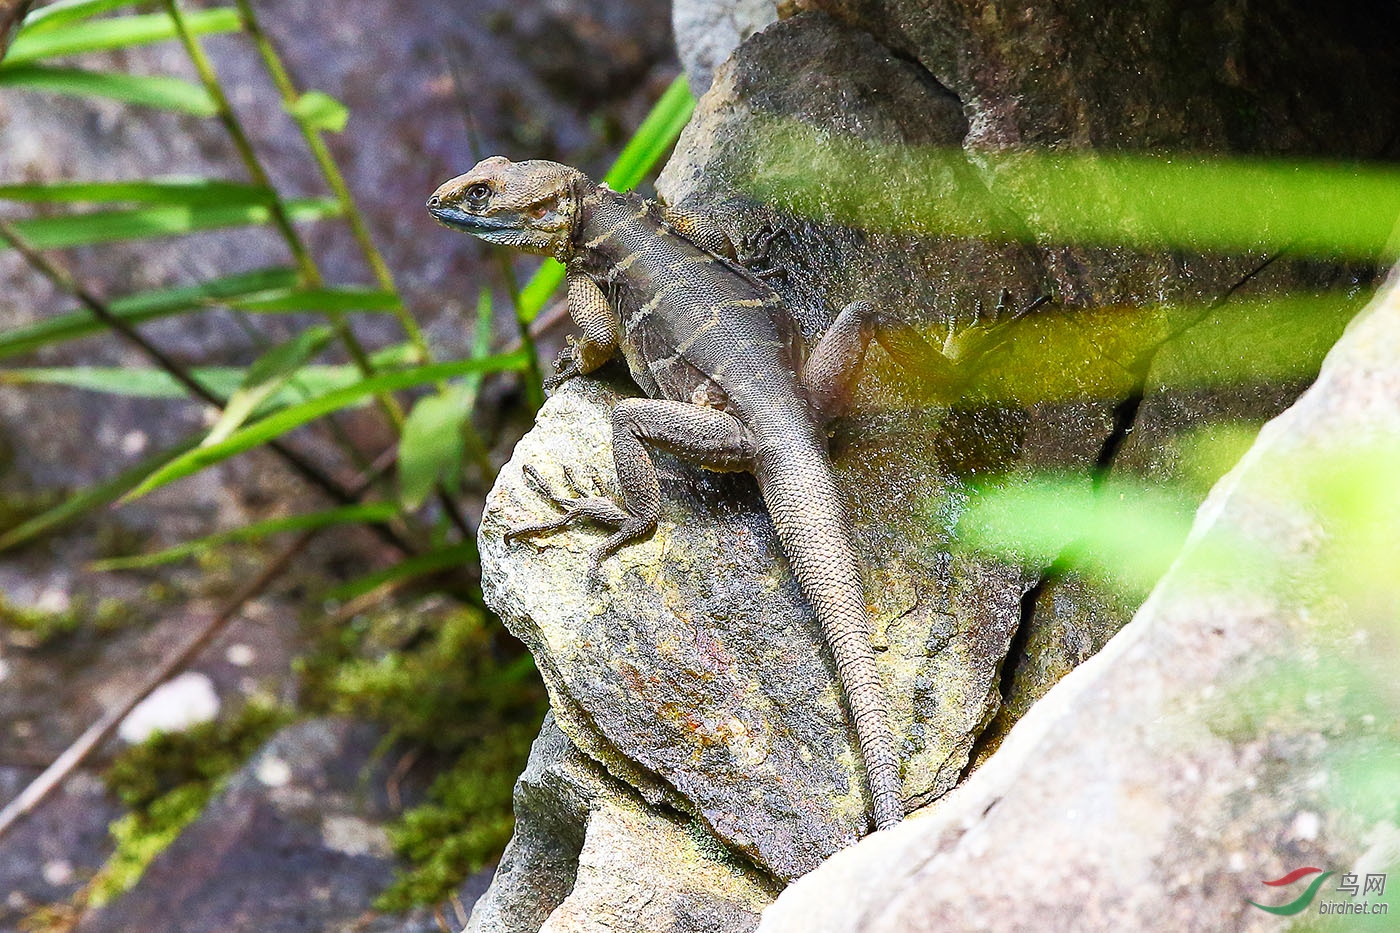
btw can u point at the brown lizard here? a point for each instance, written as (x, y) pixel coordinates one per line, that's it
(731, 384)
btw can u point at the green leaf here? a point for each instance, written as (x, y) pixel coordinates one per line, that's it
(294, 416)
(143, 306)
(191, 191)
(125, 381)
(433, 561)
(344, 515)
(223, 381)
(335, 298)
(92, 497)
(114, 33)
(655, 136)
(159, 91)
(320, 111)
(158, 221)
(273, 370)
(431, 448)
(62, 12)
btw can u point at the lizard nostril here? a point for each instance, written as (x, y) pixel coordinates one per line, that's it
(434, 201)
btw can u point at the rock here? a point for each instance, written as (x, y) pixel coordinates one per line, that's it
(695, 672)
(294, 842)
(1230, 734)
(708, 30)
(590, 855)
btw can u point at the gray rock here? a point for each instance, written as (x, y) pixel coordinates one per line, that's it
(695, 672)
(1229, 734)
(589, 855)
(708, 30)
(295, 842)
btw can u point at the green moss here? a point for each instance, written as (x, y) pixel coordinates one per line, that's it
(464, 825)
(167, 781)
(447, 679)
(44, 626)
(201, 755)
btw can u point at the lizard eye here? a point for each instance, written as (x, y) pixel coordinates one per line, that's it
(478, 193)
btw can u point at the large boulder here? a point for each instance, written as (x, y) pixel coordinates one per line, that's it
(1239, 728)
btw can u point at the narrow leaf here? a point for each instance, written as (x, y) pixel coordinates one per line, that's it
(294, 416)
(92, 497)
(114, 33)
(320, 111)
(430, 448)
(62, 12)
(191, 191)
(338, 298)
(267, 376)
(159, 91)
(344, 515)
(453, 556)
(222, 381)
(143, 306)
(158, 221)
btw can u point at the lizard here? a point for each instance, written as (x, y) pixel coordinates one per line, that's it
(730, 385)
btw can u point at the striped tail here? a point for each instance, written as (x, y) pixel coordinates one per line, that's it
(809, 514)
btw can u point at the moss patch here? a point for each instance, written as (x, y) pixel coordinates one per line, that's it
(446, 679)
(167, 781)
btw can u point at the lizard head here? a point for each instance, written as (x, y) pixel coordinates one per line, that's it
(530, 206)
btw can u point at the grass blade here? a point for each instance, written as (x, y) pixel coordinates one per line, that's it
(92, 497)
(334, 298)
(294, 416)
(114, 33)
(453, 556)
(62, 12)
(266, 377)
(344, 515)
(160, 91)
(143, 306)
(158, 221)
(191, 191)
(655, 136)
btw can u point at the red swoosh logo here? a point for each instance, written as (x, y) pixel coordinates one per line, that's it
(1292, 876)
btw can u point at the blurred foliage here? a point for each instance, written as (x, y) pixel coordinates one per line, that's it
(441, 678)
(454, 686)
(166, 781)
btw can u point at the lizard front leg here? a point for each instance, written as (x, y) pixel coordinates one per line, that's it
(835, 363)
(589, 308)
(712, 438)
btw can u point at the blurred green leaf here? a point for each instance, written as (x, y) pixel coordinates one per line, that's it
(158, 91)
(1128, 533)
(92, 497)
(62, 12)
(140, 307)
(1346, 210)
(334, 298)
(453, 556)
(159, 221)
(113, 33)
(273, 370)
(349, 514)
(655, 136)
(320, 111)
(294, 416)
(190, 191)
(132, 382)
(431, 446)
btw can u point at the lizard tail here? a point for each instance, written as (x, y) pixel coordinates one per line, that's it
(809, 514)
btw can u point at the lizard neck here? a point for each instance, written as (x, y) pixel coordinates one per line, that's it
(611, 225)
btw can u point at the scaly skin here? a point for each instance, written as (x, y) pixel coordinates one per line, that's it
(731, 387)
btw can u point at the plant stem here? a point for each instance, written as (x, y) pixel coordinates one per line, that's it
(299, 464)
(321, 152)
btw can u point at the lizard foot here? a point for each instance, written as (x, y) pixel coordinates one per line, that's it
(576, 506)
